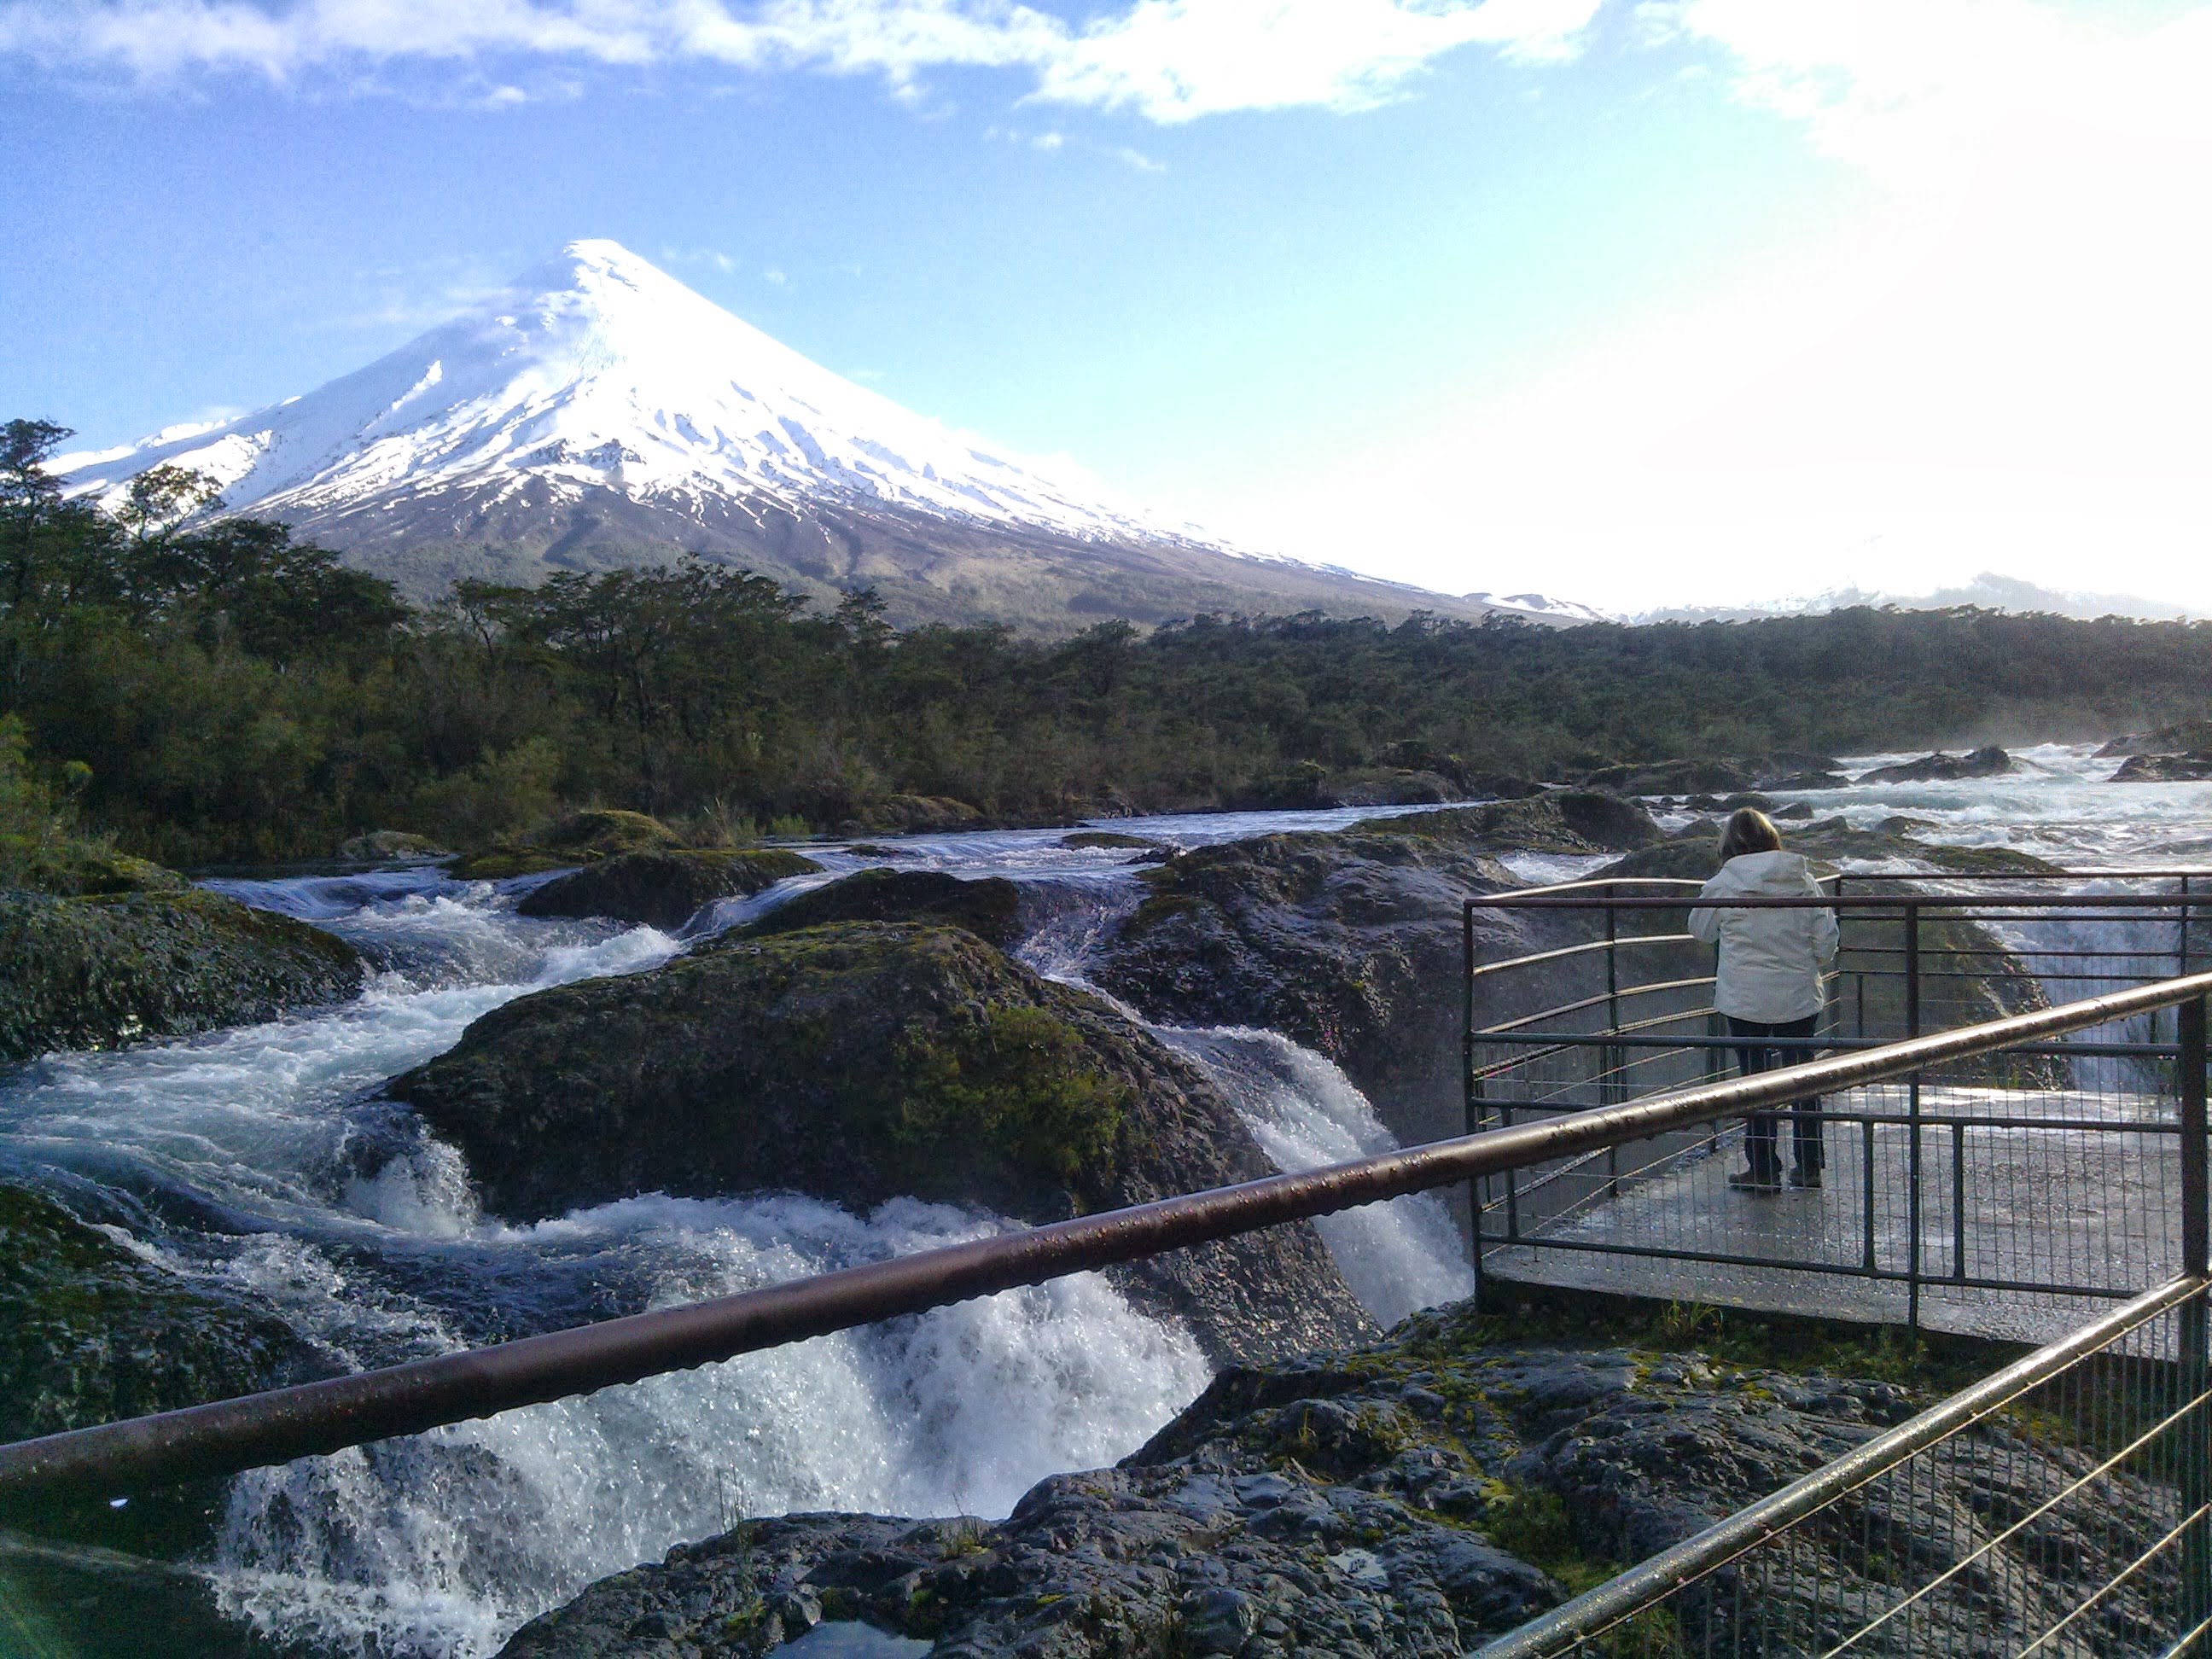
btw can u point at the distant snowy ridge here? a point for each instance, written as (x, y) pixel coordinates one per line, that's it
(597, 369)
(1990, 590)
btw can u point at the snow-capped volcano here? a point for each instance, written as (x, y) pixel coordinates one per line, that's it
(598, 369)
(597, 412)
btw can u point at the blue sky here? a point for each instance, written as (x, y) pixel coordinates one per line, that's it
(1631, 302)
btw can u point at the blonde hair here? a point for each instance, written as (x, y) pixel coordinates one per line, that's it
(1749, 831)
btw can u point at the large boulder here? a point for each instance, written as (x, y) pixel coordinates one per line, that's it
(1563, 821)
(860, 1062)
(598, 832)
(1417, 1498)
(1989, 762)
(97, 972)
(663, 887)
(91, 1332)
(2183, 737)
(1349, 943)
(2164, 769)
(1671, 777)
(988, 908)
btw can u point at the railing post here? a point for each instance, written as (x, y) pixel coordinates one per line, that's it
(2196, 1355)
(1612, 1087)
(1470, 1091)
(1912, 1117)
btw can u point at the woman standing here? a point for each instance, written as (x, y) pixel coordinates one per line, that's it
(1768, 983)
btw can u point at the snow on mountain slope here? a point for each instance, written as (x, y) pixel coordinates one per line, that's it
(598, 369)
(597, 413)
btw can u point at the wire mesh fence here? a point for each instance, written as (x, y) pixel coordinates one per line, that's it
(2059, 1507)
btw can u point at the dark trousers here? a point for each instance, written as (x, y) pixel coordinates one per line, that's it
(1758, 1133)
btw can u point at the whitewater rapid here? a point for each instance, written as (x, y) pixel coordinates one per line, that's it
(263, 1159)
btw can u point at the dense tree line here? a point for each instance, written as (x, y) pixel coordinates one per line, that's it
(205, 688)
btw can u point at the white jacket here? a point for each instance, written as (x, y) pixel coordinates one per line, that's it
(1771, 960)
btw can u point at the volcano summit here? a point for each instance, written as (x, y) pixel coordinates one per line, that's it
(597, 413)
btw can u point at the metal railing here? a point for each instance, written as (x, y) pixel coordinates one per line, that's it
(2041, 1171)
(228, 1436)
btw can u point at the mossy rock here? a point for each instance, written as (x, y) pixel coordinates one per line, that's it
(987, 908)
(378, 845)
(598, 832)
(921, 814)
(663, 888)
(87, 869)
(850, 1062)
(94, 973)
(91, 1332)
(860, 1062)
(1565, 821)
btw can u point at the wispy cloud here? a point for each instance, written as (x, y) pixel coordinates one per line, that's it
(1167, 60)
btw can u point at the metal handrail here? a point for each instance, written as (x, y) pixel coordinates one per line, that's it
(225, 1436)
(1619, 1598)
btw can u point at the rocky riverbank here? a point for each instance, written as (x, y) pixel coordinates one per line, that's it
(1411, 1497)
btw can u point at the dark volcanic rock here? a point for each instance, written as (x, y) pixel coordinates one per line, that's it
(862, 1062)
(2164, 769)
(1350, 944)
(1671, 777)
(1989, 762)
(1417, 1498)
(987, 908)
(1564, 821)
(663, 888)
(581, 838)
(92, 973)
(90, 1332)
(2183, 737)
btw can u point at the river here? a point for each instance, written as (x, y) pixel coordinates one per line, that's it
(263, 1160)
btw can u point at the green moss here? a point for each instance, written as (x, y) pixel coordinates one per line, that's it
(582, 837)
(1018, 1080)
(989, 908)
(92, 973)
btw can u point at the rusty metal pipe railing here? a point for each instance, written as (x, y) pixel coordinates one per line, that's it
(275, 1427)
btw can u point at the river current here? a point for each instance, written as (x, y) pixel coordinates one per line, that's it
(262, 1158)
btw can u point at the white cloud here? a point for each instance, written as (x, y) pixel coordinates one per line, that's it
(2001, 366)
(1169, 60)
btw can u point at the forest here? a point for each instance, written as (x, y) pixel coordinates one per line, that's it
(204, 690)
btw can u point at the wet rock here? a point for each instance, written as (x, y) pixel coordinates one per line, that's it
(383, 846)
(91, 1332)
(922, 814)
(581, 838)
(1796, 809)
(2183, 737)
(1671, 777)
(1986, 762)
(860, 1062)
(98, 972)
(987, 907)
(2164, 769)
(1564, 821)
(1110, 838)
(663, 888)
(1308, 784)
